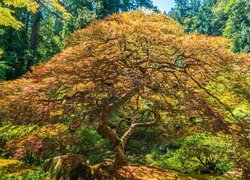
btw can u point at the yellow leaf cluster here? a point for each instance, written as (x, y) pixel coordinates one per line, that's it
(57, 6)
(7, 18)
(31, 5)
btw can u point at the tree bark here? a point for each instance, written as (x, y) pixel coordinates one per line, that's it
(120, 157)
(104, 113)
(27, 22)
(116, 143)
(33, 38)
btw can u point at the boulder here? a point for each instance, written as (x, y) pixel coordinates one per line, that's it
(68, 167)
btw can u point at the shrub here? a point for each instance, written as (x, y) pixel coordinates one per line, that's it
(200, 153)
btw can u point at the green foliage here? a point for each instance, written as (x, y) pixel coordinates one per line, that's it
(91, 145)
(238, 26)
(3, 70)
(217, 18)
(38, 39)
(15, 45)
(38, 174)
(200, 153)
(203, 21)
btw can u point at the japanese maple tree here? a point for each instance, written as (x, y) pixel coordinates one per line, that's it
(132, 68)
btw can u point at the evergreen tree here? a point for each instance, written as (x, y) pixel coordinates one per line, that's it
(43, 28)
(217, 18)
(238, 26)
(203, 21)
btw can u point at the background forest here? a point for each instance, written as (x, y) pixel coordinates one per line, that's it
(36, 34)
(199, 116)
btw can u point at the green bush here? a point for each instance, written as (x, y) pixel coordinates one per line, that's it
(4, 68)
(201, 153)
(38, 174)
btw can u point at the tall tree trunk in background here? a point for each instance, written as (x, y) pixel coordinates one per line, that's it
(33, 38)
(27, 22)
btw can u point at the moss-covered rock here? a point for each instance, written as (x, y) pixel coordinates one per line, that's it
(14, 167)
(68, 167)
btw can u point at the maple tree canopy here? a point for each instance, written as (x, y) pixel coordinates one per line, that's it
(141, 66)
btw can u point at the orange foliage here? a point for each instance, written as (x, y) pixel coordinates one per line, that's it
(119, 63)
(114, 56)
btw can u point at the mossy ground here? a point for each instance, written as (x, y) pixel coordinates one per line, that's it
(13, 169)
(136, 172)
(17, 170)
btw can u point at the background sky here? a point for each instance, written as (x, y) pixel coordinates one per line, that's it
(164, 5)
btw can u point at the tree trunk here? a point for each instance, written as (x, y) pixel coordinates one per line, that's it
(120, 158)
(33, 38)
(27, 22)
(115, 142)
